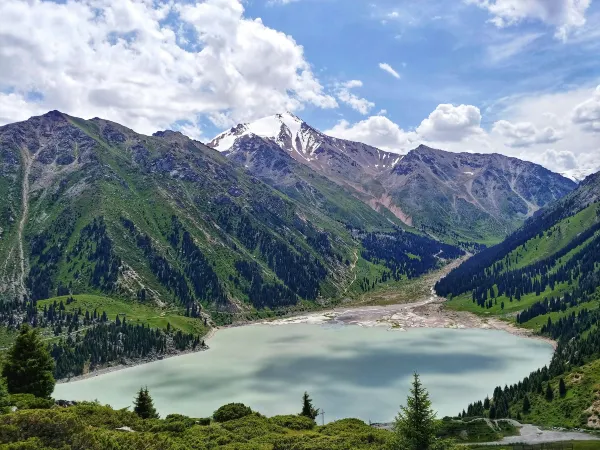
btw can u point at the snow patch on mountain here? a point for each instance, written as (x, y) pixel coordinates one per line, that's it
(287, 130)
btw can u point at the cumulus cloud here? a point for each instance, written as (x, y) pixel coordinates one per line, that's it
(148, 64)
(378, 131)
(451, 123)
(560, 161)
(587, 114)
(564, 15)
(389, 69)
(526, 134)
(344, 95)
(527, 126)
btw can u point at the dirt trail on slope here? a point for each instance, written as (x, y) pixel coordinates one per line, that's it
(27, 161)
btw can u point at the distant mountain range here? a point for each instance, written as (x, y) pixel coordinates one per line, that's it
(452, 196)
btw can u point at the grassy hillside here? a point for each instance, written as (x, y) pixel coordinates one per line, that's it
(545, 277)
(134, 312)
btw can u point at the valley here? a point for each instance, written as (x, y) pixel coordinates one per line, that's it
(159, 258)
(299, 225)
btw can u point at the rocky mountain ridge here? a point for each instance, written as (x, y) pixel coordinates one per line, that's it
(452, 196)
(91, 207)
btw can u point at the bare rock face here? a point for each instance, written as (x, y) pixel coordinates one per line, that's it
(469, 194)
(461, 196)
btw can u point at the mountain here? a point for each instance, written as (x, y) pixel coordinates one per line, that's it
(345, 161)
(544, 277)
(452, 196)
(92, 207)
(482, 197)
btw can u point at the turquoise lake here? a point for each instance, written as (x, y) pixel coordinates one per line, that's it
(349, 371)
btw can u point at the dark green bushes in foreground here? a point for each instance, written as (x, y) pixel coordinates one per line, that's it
(91, 426)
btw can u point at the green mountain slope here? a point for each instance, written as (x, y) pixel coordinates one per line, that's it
(545, 277)
(95, 208)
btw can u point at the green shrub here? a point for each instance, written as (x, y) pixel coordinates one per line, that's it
(52, 426)
(252, 426)
(29, 444)
(29, 401)
(294, 422)
(345, 426)
(231, 411)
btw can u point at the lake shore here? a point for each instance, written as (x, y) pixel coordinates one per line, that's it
(427, 311)
(150, 359)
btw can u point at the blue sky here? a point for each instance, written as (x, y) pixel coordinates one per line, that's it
(517, 77)
(445, 52)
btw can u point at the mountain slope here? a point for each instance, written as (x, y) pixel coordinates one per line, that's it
(97, 208)
(469, 195)
(545, 277)
(453, 196)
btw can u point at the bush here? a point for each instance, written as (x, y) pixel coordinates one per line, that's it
(294, 422)
(29, 401)
(53, 427)
(231, 411)
(252, 427)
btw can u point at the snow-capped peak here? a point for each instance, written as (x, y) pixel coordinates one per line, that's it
(287, 130)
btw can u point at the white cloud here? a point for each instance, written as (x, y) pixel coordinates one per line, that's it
(280, 2)
(451, 123)
(558, 161)
(344, 95)
(587, 113)
(523, 129)
(118, 60)
(514, 45)
(526, 134)
(14, 108)
(389, 69)
(378, 131)
(564, 15)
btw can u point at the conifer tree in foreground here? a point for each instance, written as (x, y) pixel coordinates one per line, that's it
(549, 393)
(307, 407)
(28, 368)
(415, 425)
(144, 406)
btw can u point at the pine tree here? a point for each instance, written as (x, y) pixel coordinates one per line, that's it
(562, 388)
(144, 406)
(415, 425)
(4, 399)
(307, 407)
(526, 405)
(549, 393)
(28, 368)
